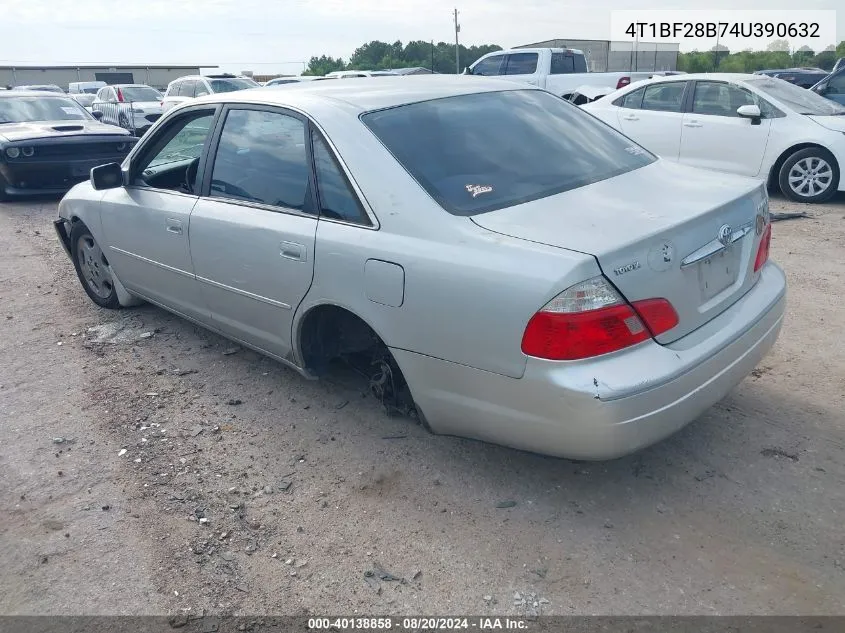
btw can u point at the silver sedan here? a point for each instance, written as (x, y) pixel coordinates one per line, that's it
(501, 264)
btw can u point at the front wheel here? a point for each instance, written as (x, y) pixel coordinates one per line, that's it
(92, 267)
(4, 197)
(809, 175)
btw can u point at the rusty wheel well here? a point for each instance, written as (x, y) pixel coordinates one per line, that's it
(774, 172)
(329, 334)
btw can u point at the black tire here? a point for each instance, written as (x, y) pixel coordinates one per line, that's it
(4, 197)
(123, 121)
(802, 162)
(95, 274)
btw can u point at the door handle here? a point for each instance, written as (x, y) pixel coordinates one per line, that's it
(630, 117)
(692, 124)
(173, 226)
(292, 250)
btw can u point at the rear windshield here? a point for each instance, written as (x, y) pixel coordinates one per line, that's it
(481, 152)
(140, 93)
(22, 109)
(231, 85)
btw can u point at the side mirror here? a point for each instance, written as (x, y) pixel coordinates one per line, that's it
(108, 176)
(750, 112)
(822, 90)
(98, 114)
(467, 70)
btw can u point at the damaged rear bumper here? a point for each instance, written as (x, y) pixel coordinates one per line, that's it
(609, 406)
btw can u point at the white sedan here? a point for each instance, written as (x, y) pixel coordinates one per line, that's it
(751, 125)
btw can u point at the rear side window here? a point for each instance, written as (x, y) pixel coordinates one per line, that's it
(173, 89)
(562, 64)
(337, 200)
(665, 97)
(480, 152)
(521, 64)
(187, 88)
(262, 158)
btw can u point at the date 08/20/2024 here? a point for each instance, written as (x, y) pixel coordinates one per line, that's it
(723, 29)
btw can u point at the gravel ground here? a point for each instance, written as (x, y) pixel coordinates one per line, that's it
(151, 467)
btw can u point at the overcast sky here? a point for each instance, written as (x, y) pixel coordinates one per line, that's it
(279, 36)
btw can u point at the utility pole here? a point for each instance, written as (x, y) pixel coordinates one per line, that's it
(432, 57)
(457, 56)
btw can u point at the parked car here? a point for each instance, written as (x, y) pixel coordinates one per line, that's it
(802, 78)
(347, 74)
(84, 99)
(832, 87)
(85, 87)
(750, 125)
(132, 106)
(562, 71)
(187, 88)
(40, 88)
(432, 232)
(48, 142)
(281, 81)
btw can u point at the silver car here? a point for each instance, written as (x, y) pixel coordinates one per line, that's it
(499, 261)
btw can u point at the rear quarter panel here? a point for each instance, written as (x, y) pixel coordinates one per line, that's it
(468, 292)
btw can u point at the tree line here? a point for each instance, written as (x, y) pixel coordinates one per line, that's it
(377, 55)
(776, 55)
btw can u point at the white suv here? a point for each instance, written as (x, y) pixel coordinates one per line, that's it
(186, 88)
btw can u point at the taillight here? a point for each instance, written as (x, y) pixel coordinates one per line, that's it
(590, 319)
(119, 95)
(763, 249)
(623, 81)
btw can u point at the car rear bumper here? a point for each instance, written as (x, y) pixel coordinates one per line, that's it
(612, 405)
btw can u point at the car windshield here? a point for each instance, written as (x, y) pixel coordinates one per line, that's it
(231, 85)
(140, 93)
(480, 152)
(799, 99)
(21, 109)
(91, 91)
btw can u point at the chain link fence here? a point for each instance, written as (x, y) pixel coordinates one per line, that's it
(129, 115)
(610, 56)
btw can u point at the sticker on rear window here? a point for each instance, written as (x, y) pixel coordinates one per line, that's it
(634, 150)
(70, 110)
(477, 190)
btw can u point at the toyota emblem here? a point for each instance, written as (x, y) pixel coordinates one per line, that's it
(725, 233)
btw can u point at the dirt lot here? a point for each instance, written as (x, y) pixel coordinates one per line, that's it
(151, 467)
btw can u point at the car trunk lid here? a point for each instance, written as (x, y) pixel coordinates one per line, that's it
(662, 231)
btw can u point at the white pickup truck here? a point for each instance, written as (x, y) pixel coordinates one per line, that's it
(562, 71)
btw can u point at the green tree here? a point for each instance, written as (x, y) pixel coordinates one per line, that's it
(840, 49)
(323, 65)
(377, 55)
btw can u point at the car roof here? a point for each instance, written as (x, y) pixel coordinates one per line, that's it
(369, 93)
(706, 77)
(128, 86)
(44, 94)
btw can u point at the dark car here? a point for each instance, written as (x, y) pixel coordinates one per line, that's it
(48, 143)
(833, 86)
(803, 77)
